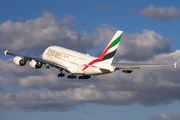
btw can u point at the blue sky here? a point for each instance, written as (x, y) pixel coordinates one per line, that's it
(150, 36)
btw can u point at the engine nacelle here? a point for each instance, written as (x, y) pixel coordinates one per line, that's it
(127, 71)
(19, 61)
(35, 64)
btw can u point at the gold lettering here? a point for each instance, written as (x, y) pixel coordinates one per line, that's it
(59, 55)
(48, 51)
(54, 53)
(65, 56)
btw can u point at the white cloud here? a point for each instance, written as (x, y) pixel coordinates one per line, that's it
(33, 100)
(164, 14)
(165, 116)
(37, 34)
(41, 90)
(103, 34)
(139, 46)
(142, 46)
(121, 95)
(148, 87)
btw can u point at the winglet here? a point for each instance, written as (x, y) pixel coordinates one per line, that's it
(175, 65)
(5, 52)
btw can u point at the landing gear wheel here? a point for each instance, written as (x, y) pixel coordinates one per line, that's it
(61, 75)
(72, 76)
(85, 77)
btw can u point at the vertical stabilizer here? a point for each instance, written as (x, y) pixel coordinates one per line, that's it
(108, 54)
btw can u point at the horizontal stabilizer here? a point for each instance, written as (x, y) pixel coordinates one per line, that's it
(120, 66)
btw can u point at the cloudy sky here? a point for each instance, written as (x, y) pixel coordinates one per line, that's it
(150, 36)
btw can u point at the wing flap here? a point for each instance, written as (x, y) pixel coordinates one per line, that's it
(120, 66)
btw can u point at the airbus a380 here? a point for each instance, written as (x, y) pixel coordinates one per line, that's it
(81, 64)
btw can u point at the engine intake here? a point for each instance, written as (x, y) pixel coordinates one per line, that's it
(19, 61)
(35, 64)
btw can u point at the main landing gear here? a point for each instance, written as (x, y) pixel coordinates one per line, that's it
(61, 74)
(72, 76)
(85, 77)
(80, 77)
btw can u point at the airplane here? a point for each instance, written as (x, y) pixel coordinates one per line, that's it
(77, 63)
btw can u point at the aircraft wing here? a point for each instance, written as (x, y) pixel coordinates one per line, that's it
(46, 63)
(122, 66)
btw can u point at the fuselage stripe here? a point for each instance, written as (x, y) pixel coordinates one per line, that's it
(99, 59)
(105, 56)
(109, 55)
(104, 53)
(116, 41)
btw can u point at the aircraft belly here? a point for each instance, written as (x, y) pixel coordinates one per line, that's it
(73, 68)
(96, 71)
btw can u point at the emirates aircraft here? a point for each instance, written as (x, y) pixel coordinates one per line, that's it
(81, 64)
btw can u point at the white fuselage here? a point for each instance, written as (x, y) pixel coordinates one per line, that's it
(76, 62)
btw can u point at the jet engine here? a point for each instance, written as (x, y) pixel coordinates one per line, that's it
(35, 64)
(127, 71)
(19, 61)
